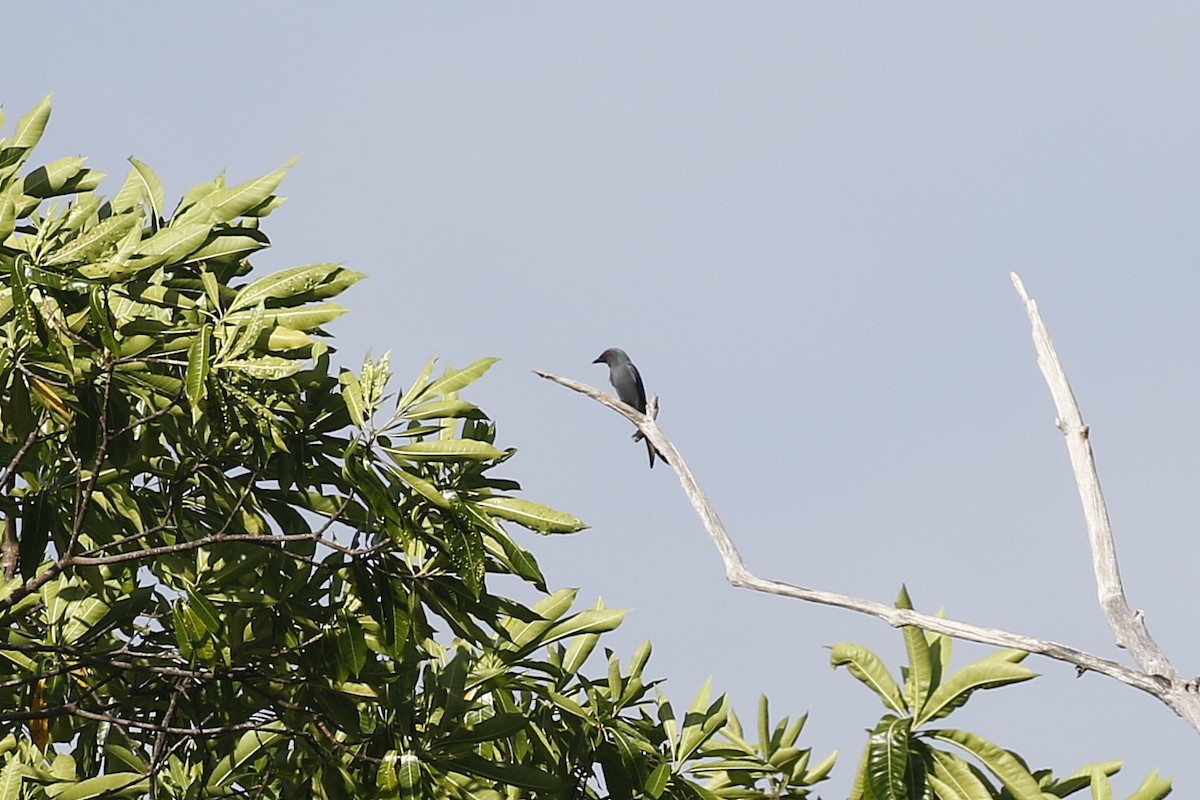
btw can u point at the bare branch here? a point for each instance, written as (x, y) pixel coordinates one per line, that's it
(1128, 627)
(1163, 686)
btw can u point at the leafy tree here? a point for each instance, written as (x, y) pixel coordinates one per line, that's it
(231, 570)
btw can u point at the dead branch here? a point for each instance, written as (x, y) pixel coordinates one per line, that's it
(1156, 676)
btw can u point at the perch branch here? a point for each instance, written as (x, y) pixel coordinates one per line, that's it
(1162, 685)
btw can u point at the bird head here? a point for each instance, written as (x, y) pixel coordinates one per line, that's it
(608, 356)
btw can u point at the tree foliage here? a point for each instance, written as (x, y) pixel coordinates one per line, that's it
(232, 570)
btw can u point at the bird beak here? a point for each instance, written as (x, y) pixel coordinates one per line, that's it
(599, 360)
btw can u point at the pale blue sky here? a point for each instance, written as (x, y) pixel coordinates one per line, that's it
(799, 220)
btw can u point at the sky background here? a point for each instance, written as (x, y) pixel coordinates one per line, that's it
(799, 220)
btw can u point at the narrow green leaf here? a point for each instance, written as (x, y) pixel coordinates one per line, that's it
(887, 757)
(307, 318)
(199, 361)
(871, 671)
(508, 774)
(152, 188)
(955, 690)
(10, 779)
(446, 450)
(230, 242)
(174, 243)
(593, 621)
(387, 782)
(922, 670)
(95, 241)
(413, 392)
(408, 773)
(285, 284)
(204, 610)
(247, 749)
(657, 781)
(30, 127)
(225, 205)
(212, 290)
(351, 644)
(1153, 788)
(999, 762)
(439, 409)
(117, 783)
(352, 396)
(578, 651)
(533, 516)
(267, 368)
(459, 379)
(702, 721)
(8, 213)
(956, 775)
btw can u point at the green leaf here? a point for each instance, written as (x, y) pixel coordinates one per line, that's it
(285, 285)
(117, 783)
(521, 776)
(465, 548)
(999, 762)
(95, 241)
(10, 779)
(204, 610)
(441, 409)
(64, 176)
(593, 621)
(268, 368)
(423, 487)
(1153, 788)
(225, 205)
(352, 396)
(247, 749)
(871, 671)
(986, 673)
(409, 397)
(657, 781)
(8, 213)
(230, 242)
(578, 651)
(351, 644)
(408, 774)
(445, 450)
(152, 189)
(701, 722)
(455, 380)
(15, 149)
(530, 515)
(922, 670)
(306, 318)
(199, 360)
(956, 778)
(887, 757)
(173, 243)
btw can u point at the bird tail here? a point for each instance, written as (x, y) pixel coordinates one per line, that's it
(654, 451)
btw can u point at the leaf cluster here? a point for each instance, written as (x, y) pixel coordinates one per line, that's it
(905, 758)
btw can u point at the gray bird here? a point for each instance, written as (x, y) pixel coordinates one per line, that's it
(626, 379)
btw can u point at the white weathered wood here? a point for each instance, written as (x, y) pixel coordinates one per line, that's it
(1157, 676)
(1128, 627)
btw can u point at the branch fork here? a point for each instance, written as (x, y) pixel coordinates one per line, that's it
(1155, 674)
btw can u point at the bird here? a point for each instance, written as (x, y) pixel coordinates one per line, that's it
(626, 379)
